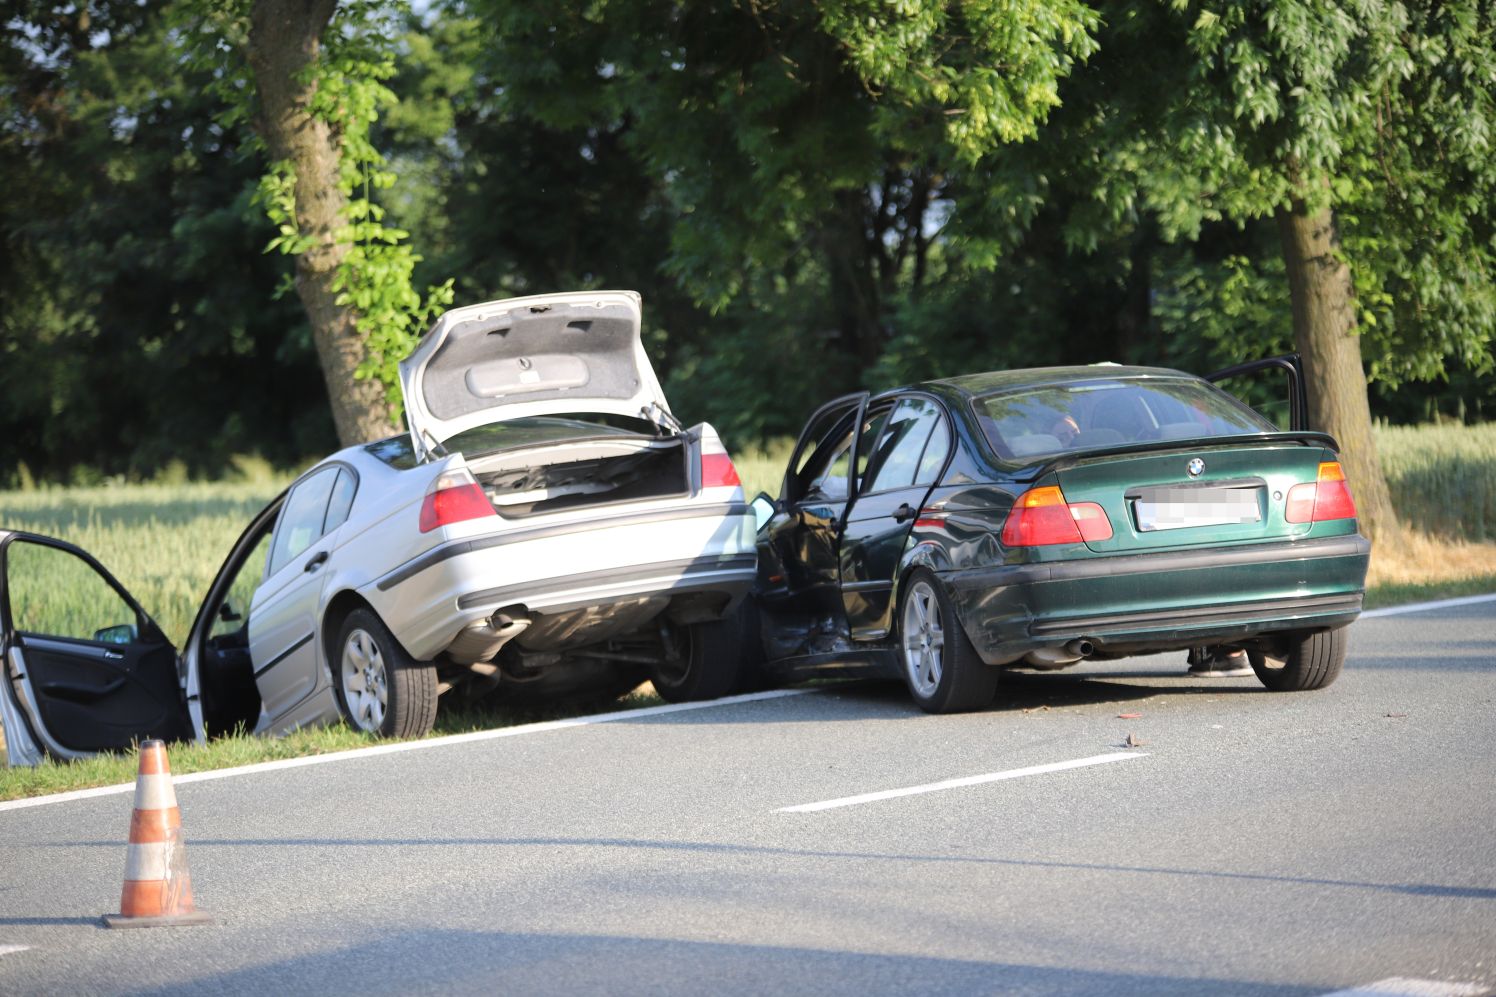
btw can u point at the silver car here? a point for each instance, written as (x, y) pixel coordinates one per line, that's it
(546, 527)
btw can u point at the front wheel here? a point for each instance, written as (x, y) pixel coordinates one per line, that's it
(1301, 662)
(381, 688)
(943, 671)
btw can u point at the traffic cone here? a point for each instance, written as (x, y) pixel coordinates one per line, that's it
(158, 891)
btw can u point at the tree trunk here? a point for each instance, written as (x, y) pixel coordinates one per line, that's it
(284, 38)
(854, 286)
(1324, 331)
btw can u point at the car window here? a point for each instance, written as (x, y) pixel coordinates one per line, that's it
(896, 458)
(341, 501)
(825, 440)
(55, 593)
(1082, 415)
(301, 521)
(831, 482)
(872, 426)
(825, 435)
(936, 451)
(241, 591)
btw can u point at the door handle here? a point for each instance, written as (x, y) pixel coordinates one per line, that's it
(316, 562)
(903, 512)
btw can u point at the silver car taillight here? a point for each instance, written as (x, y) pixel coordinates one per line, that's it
(454, 497)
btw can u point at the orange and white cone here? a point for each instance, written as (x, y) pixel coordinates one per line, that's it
(158, 891)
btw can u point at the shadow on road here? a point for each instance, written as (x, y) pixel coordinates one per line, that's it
(884, 699)
(735, 848)
(447, 961)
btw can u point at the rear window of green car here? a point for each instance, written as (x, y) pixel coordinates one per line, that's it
(1057, 419)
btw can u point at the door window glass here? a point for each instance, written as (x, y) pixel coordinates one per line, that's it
(896, 459)
(824, 434)
(936, 451)
(300, 523)
(56, 593)
(342, 500)
(872, 425)
(832, 481)
(229, 615)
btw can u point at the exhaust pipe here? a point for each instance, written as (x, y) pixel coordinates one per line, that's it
(480, 641)
(1059, 657)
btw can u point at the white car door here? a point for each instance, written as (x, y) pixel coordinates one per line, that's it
(283, 614)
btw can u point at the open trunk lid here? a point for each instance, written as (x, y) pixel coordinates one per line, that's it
(540, 355)
(1205, 496)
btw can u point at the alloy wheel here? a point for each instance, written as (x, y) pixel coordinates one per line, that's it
(365, 680)
(923, 639)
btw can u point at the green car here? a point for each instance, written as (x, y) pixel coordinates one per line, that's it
(1039, 518)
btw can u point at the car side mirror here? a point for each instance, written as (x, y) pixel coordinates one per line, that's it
(124, 633)
(764, 509)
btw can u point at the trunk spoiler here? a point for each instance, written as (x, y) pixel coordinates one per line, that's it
(1309, 437)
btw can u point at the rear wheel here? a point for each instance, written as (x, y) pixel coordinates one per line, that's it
(943, 671)
(699, 661)
(1301, 661)
(382, 689)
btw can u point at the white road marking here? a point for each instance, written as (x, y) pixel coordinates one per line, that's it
(13, 949)
(1398, 986)
(971, 780)
(1419, 607)
(391, 749)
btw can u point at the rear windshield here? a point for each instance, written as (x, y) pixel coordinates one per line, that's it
(1085, 415)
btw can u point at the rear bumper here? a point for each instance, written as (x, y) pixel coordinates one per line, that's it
(1158, 601)
(427, 601)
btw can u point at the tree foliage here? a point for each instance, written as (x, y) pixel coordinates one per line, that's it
(811, 197)
(137, 328)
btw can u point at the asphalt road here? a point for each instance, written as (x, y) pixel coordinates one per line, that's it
(1256, 843)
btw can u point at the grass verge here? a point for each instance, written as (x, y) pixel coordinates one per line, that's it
(246, 749)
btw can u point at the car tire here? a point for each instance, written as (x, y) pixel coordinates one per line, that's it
(381, 689)
(941, 667)
(700, 661)
(1308, 661)
(753, 664)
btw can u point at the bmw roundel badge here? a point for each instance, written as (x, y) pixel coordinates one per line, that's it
(1196, 467)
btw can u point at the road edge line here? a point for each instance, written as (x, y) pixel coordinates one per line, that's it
(400, 746)
(1420, 607)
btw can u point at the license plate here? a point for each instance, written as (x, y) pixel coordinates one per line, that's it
(1178, 508)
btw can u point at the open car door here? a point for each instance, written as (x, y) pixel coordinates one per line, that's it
(1274, 388)
(85, 669)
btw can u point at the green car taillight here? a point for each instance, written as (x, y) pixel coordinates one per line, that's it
(1322, 500)
(1041, 516)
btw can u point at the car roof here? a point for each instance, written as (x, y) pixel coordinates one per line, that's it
(1003, 380)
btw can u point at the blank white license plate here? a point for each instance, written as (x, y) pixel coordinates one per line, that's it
(1177, 508)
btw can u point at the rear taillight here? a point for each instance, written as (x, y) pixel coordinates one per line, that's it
(1322, 500)
(1041, 516)
(454, 497)
(717, 471)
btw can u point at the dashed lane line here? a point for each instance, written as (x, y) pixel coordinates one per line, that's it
(971, 780)
(13, 949)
